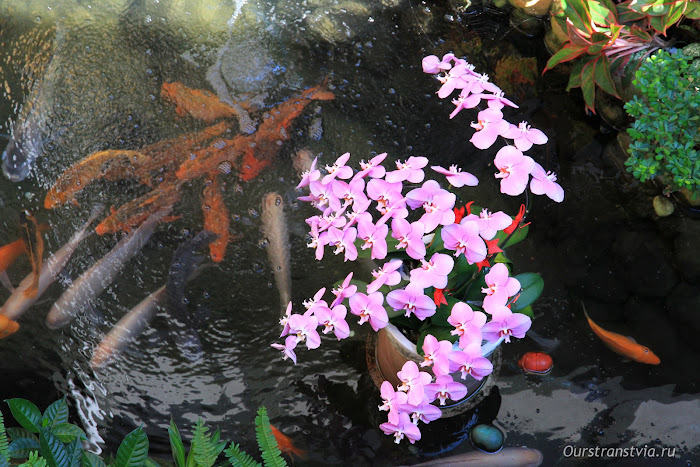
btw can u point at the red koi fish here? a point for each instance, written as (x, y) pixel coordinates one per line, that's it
(216, 218)
(286, 444)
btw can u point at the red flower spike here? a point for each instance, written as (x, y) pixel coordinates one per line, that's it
(439, 297)
(459, 214)
(484, 263)
(492, 246)
(518, 219)
(469, 207)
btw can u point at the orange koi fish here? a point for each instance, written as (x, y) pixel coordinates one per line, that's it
(200, 104)
(274, 130)
(133, 213)
(216, 218)
(210, 160)
(34, 245)
(7, 326)
(10, 252)
(286, 444)
(109, 165)
(625, 346)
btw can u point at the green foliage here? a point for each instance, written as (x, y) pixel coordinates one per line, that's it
(238, 458)
(272, 457)
(604, 36)
(665, 135)
(34, 460)
(206, 448)
(133, 450)
(4, 444)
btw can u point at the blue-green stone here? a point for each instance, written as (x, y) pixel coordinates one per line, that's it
(487, 438)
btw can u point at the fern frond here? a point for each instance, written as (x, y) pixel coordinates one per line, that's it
(4, 442)
(205, 450)
(34, 460)
(272, 457)
(239, 458)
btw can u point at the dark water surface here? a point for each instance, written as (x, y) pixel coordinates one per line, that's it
(602, 246)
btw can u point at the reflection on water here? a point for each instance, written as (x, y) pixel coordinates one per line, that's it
(93, 76)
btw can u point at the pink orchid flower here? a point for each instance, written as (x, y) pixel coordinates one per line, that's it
(498, 101)
(344, 291)
(458, 77)
(310, 175)
(312, 303)
(464, 239)
(514, 170)
(524, 136)
(436, 202)
(343, 241)
(424, 412)
(456, 177)
(384, 193)
(373, 168)
(304, 327)
(391, 401)
(413, 301)
(374, 237)
(351, 192)
(410, 237)
(436, 354)
(325, 196)
(545, 183)
(333, 320)
(413, 381)
(467, 323)
(506, 325)
(432, 64)
(411, 170)
(433, 273)
(318, 240)
(466, 100)
(357, 214)
(470, 362)
(500, 286)
(445, 388)
(404, 427)
(489, 223)
(338, 169)
(489, 127)
(482, 83)
(287, 349)
(370, 309)
(387, 274)
(284, 320)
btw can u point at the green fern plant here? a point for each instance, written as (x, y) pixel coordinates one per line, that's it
(34, 460)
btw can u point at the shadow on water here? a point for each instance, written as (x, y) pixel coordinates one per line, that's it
(100, 71)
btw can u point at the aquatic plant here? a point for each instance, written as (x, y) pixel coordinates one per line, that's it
(605, 38)
(48, 439)
(446, 279)
(665, 135)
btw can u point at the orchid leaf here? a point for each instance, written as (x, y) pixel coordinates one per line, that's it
(517, 236)
(437, 244)
(531, 287)
(603, 12)
(602, 76)
(566, 53)
(443, 312)
(577, 12)
(527, 311)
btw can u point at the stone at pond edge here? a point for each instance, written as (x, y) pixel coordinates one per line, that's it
(487, 438)
(663, 206)
(532, 7)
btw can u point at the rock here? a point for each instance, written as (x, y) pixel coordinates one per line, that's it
(685, 251)
(642, 256)
(692, 50)
(683, 306)
(338, 23)
(532, 7)
(663, 206)
(487, 438)
(527, 24)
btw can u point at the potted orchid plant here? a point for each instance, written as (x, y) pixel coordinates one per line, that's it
(445, 280)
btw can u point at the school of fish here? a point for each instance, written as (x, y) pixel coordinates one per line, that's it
(232, 143)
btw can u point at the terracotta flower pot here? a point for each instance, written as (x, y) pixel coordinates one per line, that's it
(389, 349)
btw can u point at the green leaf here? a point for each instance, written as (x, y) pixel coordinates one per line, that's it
(528, 311)
(26, 414)
(588, 85)
(602, 76)
(272, 457)
(176, 445)
(90, 459)
(518, 236)
(75, 453)
(4, 444)
(693, 10)
(151, 463)
(239, 458)
(21, 447)
(443, 312)
(577, 12)
(531, 287)
(34, 460)
(205, 448)
(603, 12)
(437, 244)
(133, 451)
(55, 414)
(67, 432)
(53, 450)
(566, 53)
(15, 432)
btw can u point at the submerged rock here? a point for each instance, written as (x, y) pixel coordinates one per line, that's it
(487, 438)
(663, 207)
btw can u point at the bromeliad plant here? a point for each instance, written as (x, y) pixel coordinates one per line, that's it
(445, 278)
(665, 134)
(605, 36)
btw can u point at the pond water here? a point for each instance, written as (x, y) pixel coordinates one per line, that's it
(94, 74)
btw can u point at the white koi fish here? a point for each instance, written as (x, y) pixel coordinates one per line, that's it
(98, 277)
(274, 226)
(19, 302)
